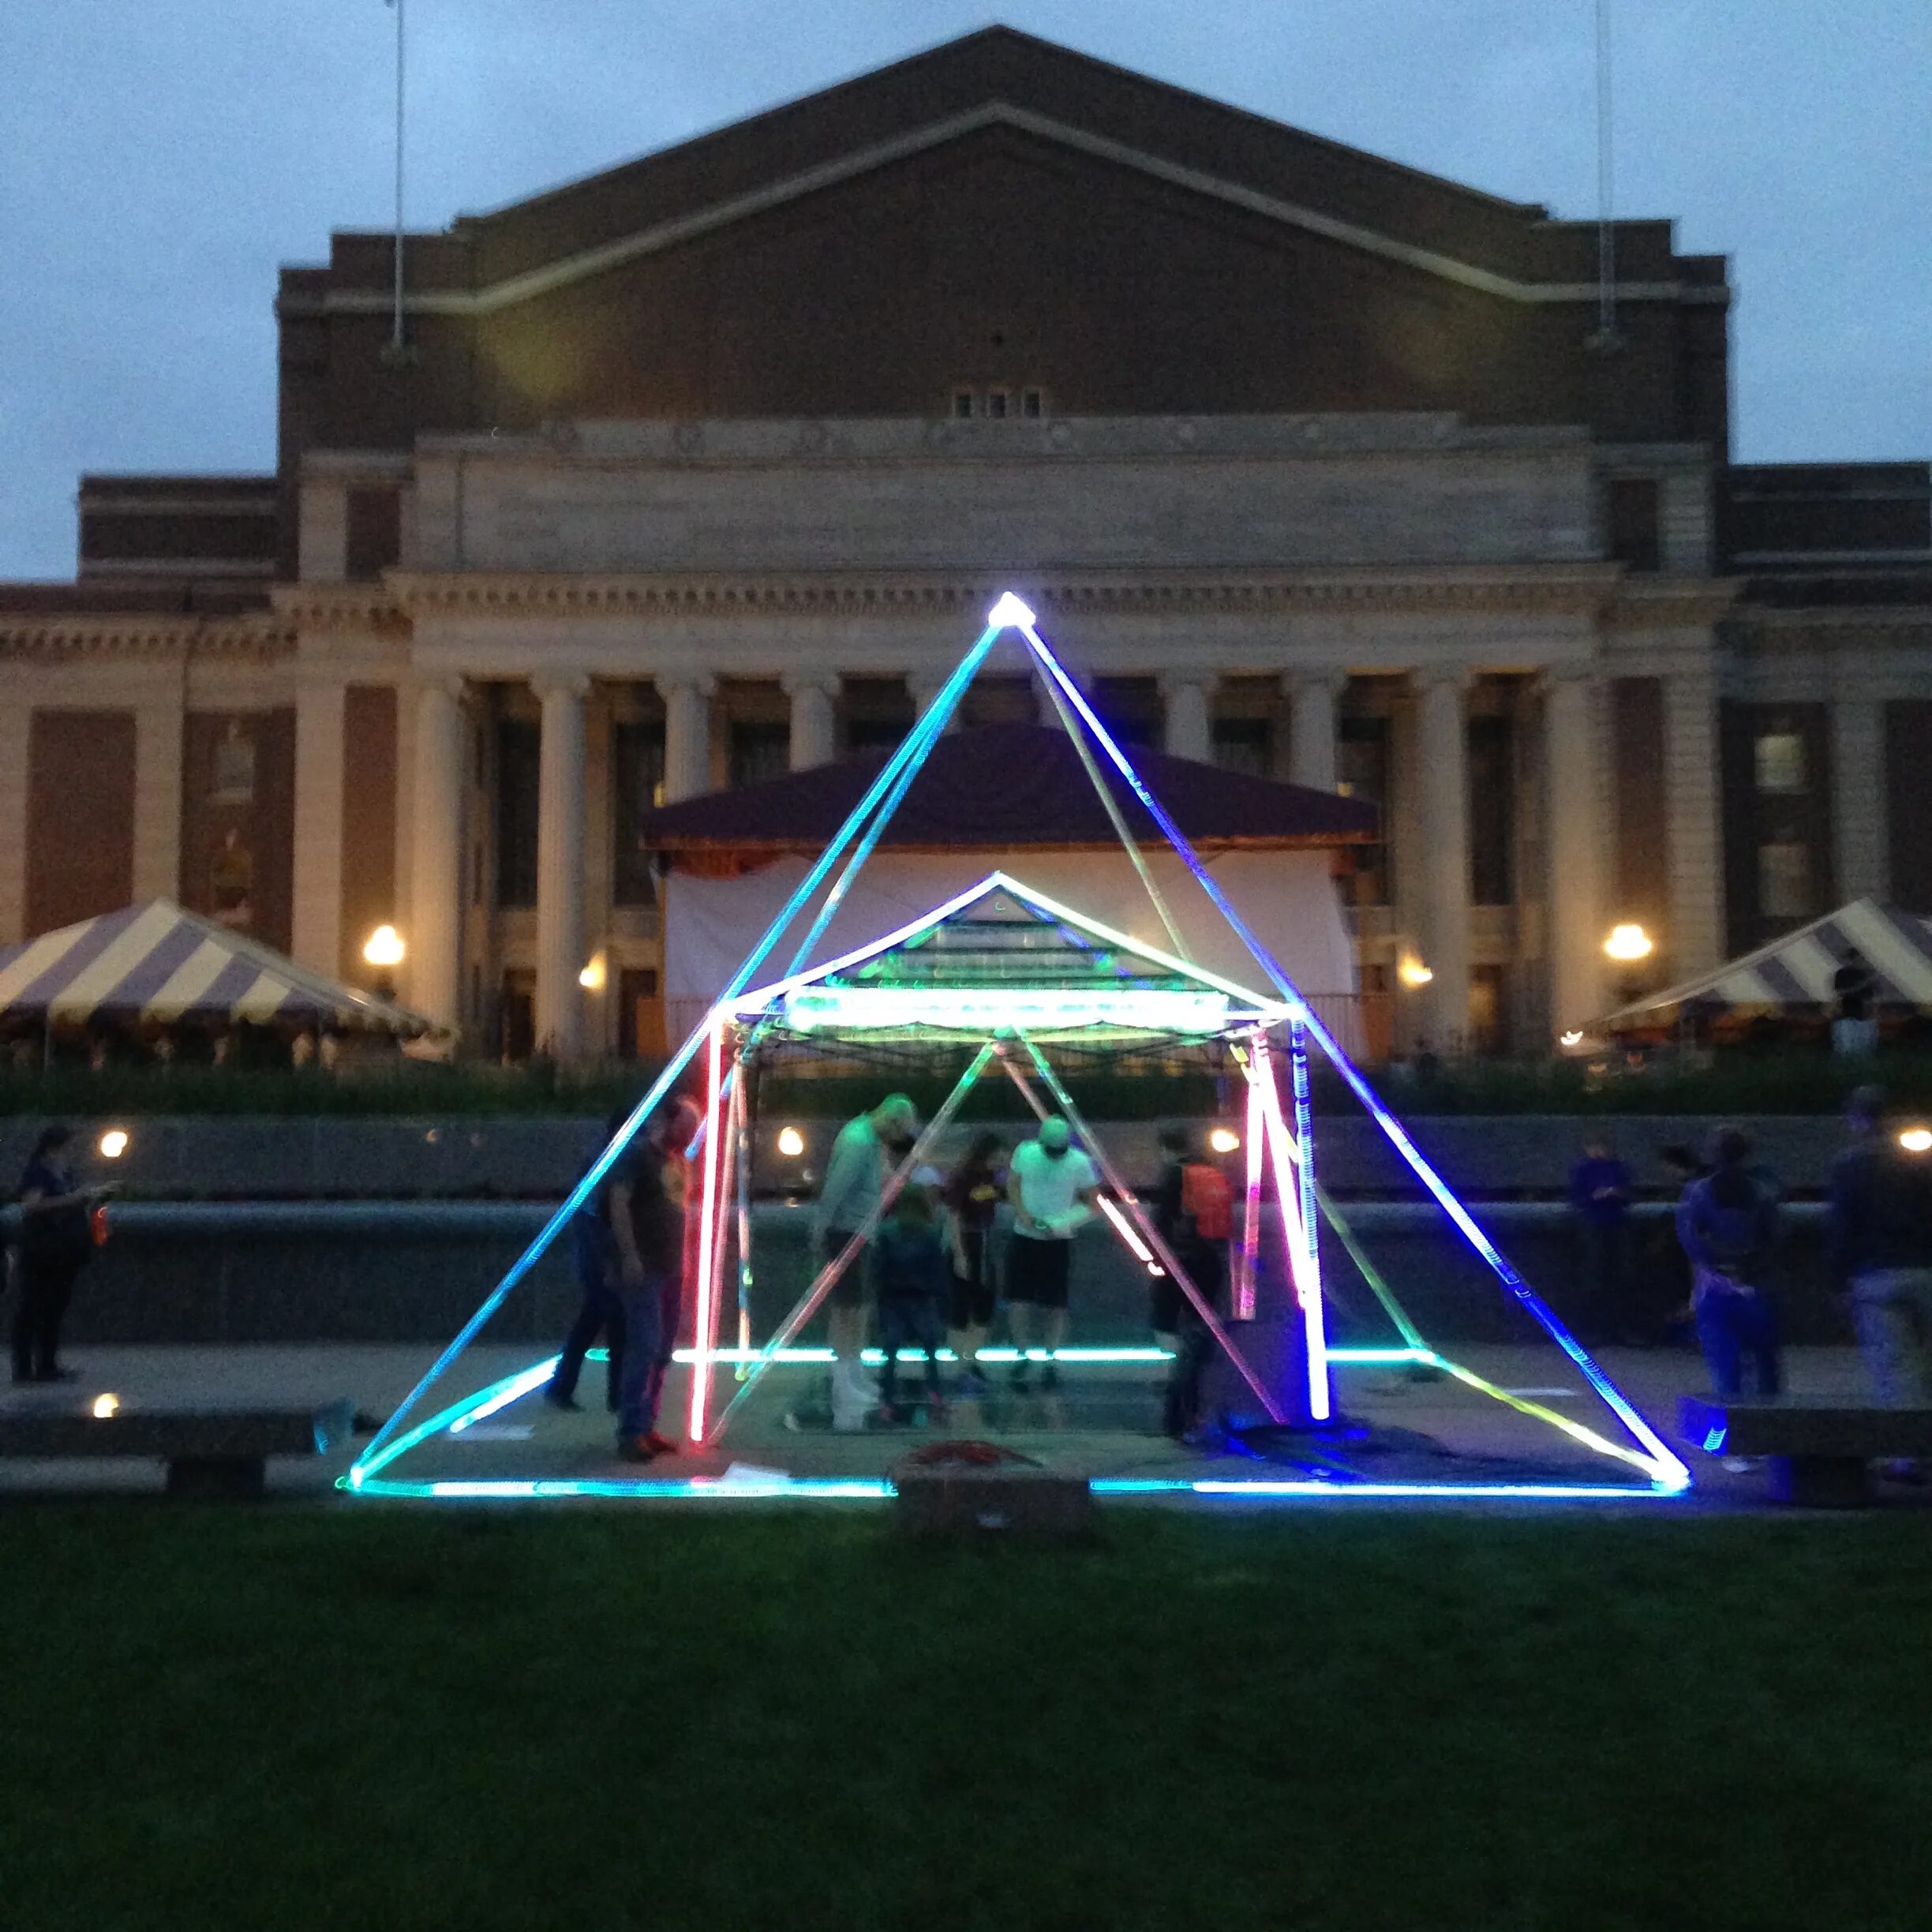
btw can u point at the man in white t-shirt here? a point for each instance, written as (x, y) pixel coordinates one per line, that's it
(1053, 1186)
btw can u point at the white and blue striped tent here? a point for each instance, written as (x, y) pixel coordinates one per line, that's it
(1793, 974)
(156, 964)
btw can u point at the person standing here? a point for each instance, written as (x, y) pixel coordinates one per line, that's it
(1193, 1214)
(972, 1199)
(1879, 1232)
(56, 1241)
(911, 1277)
(1855, 987)
(1600, 1196)
(854, 1182)
(600, 1311)
(1053, 1186)
(1727, 1223)
(645, 1193)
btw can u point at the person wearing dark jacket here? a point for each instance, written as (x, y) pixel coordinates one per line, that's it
(1878, 1230)
(1600, 1197)
(600, 1312)
(1727, 1223)
(56, 1240)
(912, 1280)
(644, 1204)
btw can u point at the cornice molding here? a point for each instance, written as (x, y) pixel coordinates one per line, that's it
(260, 637)
(1568, 589)
(361, 607)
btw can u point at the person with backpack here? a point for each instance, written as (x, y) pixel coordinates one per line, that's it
(1879, 1232)
(1727, 1223)
(1193, 1212)
(594, 1258)
(56, 1240)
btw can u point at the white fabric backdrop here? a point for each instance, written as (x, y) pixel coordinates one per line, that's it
(1288, 898)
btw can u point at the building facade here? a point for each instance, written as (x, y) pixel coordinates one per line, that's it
(708, 467)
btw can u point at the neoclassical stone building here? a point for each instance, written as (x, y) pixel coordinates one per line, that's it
(709, 466)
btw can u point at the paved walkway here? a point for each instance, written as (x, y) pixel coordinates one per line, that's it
(1103, 1421)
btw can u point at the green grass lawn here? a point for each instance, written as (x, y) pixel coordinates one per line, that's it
(363, 1718)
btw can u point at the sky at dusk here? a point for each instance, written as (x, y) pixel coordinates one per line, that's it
(160, 158)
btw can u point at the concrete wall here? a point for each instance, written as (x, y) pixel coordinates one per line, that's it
(408, 1272)
(187, 1158)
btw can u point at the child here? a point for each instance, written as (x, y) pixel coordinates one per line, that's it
(912, 1280)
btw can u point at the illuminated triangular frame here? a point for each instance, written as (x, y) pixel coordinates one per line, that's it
(857, 837)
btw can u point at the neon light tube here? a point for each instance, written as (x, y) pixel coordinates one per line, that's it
(514, 1391)
(1307, 1283)
(880, 1008)
(1248, 1255)
(673, 1068)
(704, 1328)
(1668, 1466)
(1136, 1246)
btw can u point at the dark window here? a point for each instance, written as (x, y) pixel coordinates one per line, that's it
(375, 531)
(995, 402)
(1030, 402)
(1244, 744)
(759, 750)
(1634, 523)
(1362, 763)
(962, 402)
(232, 780)
(640, 1013)
(1130, 708)
(637, 757)
(231, 883)
(873, 734)
(1908, 817)
(516, 1014)
(1492, 811)
(1489, 1008)
(1778, 762)
(519, 754)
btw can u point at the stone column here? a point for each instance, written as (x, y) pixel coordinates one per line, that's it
(317, 940)
(1442, 792)
(1314, 698)
(1858, 795)
(158, 793)
(15, 727)
(560, 866)
(1188, 730)
(1573, 769)
(687, 736)
(434, 937)
(1695, 942)
(813, 719)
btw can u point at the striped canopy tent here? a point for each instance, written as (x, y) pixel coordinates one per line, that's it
(1792, 976)
(155, 964)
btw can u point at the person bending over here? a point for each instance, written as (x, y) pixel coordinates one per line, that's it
(1052, 1187)
(855, 1179)
(912, 1278)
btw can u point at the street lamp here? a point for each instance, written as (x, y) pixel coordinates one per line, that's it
(1629, 943)
(383, 950)
(1412, 972)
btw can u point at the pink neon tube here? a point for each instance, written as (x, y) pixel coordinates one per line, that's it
(704, 1327)
(1251, 1223)
(1301, 1262)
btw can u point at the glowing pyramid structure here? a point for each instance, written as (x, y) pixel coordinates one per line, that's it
(1003, 964)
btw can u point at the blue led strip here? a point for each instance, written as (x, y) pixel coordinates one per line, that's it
(909, 753)
(1670, 1469)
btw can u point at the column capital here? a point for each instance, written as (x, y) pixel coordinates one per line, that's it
(1171, 682)
(1456, 677)
(1571, 671)
(548, 684)
(799, 684)
(452, 685)
(1314, 678)
(702, 683)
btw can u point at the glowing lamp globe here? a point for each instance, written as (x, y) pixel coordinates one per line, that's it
(113, 1144)
(384, 947)
(791, 1143)
(1628, 942)
(105, 1405)
(1916, 1140)
(1223, 1140)
(1412, 972)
